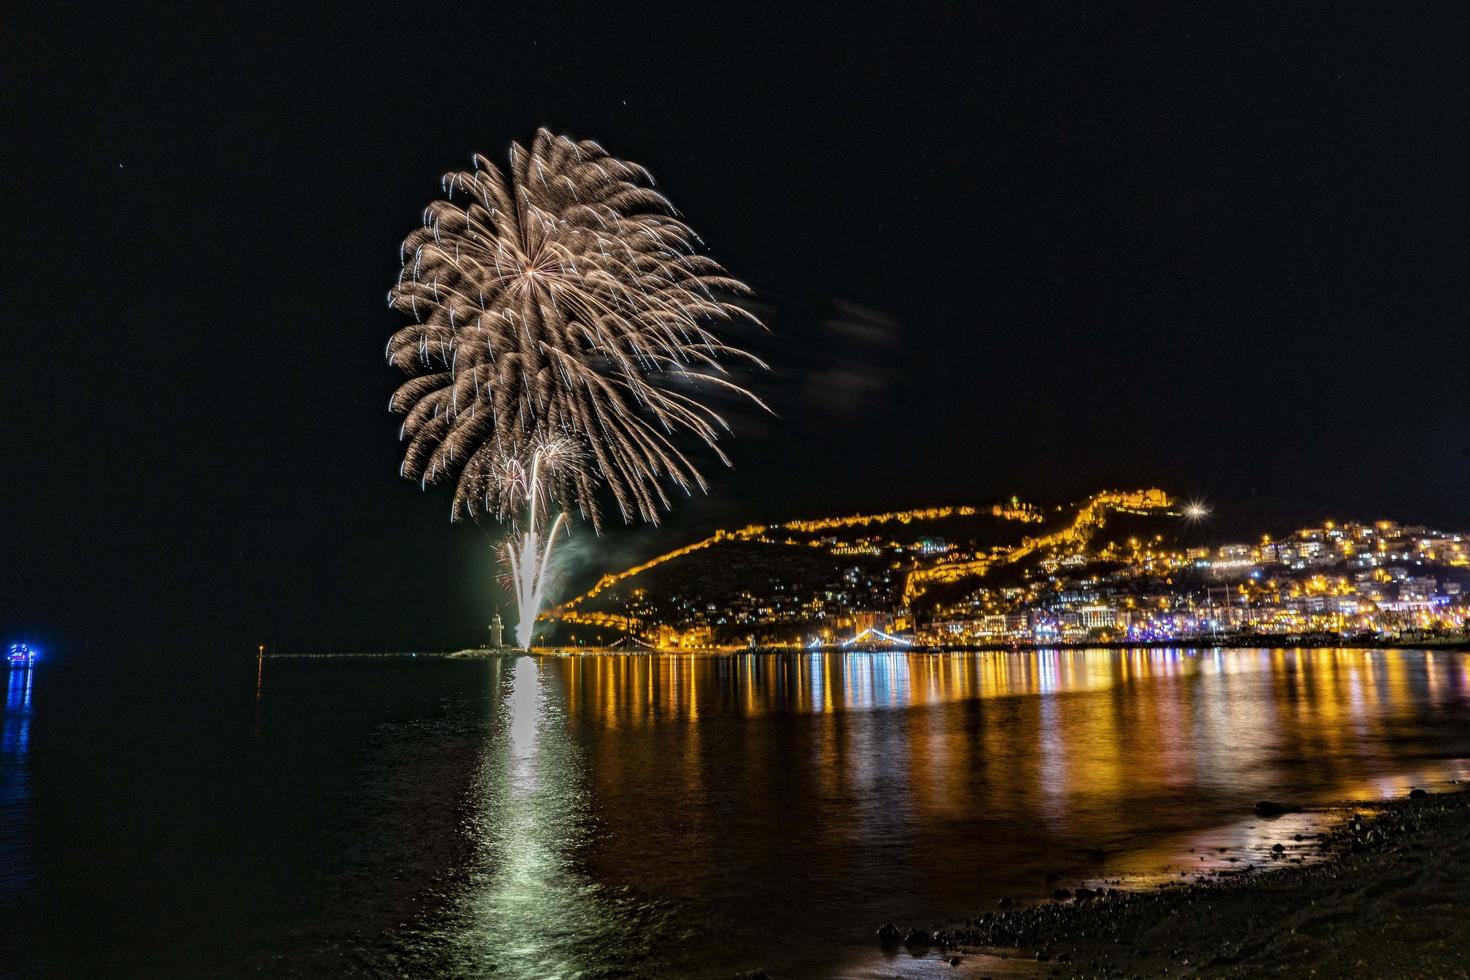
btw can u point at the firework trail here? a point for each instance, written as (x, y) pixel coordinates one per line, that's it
(559, 303)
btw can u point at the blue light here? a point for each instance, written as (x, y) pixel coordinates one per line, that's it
(21, 655)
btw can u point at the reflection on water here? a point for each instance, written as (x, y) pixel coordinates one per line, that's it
(16, 822)
(830, 791)
(17, 732)
(526, 909)
(768, 810)
(655, 815)
(1095, 720)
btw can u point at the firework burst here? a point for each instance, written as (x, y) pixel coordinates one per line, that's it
(561, 301)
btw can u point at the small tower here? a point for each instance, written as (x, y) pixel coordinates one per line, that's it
(497, 631)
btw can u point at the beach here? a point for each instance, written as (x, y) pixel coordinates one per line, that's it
(1382, 892)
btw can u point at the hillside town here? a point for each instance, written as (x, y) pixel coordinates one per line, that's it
(1345, 580)
(1121, 567)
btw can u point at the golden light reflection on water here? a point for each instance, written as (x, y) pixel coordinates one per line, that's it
(1079, 750)
(1182, 714)
(771, 794)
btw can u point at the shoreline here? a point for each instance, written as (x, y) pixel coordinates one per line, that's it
(1274, 641)
(1384, 894)
(1452, 645)
(1263, 641)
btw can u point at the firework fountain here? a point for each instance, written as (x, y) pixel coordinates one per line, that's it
(528, 552)
(561, 336)
(530, 563)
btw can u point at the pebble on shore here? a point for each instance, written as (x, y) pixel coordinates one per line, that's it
(1329, 916)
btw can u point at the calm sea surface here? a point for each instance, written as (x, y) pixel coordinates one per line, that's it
(628, 816)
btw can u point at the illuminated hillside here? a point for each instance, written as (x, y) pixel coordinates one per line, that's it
(832, 570)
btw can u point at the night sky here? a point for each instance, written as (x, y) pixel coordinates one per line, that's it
(1002, 249)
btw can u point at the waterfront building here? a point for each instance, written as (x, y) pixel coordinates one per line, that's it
(1098, 617)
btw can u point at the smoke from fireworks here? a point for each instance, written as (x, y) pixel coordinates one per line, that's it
(560, 336)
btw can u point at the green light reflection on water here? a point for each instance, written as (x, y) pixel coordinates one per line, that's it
(528, 909)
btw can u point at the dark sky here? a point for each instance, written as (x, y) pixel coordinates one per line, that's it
(1028, 248)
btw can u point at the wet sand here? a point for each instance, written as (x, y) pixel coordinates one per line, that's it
(1384, 892)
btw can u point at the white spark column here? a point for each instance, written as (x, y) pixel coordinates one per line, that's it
(529, 558)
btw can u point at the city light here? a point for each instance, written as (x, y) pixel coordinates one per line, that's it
(1113, 570)
(21, 655)
(874, 631)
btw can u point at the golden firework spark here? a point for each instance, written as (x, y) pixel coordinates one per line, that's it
(561, 300)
